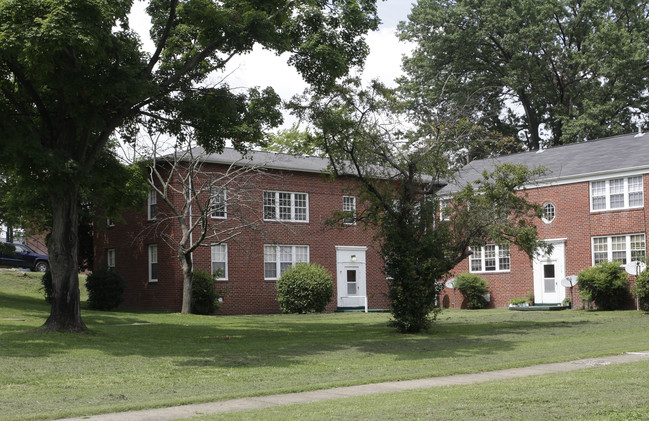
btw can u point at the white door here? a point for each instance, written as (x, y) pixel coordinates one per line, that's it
(549, 270)
(351, 286)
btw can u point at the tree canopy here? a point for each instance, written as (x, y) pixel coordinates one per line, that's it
(74, 73)
(551, 72)
(400, 172)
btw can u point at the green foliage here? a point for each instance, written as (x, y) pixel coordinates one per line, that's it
(46, 286)
(306, 288)
(641, 289)
(605, 283)
(400, 173)
(204, 295)
(520, 300)
(105, 289)
(575, 68)
(474, 288)
(74, 74)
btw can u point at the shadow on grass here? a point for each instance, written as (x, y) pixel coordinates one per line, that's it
(262, 341)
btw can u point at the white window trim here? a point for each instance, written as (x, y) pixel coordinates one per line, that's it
(544, 218)
(110, 259)
(609, 246)
(481, 256)
(110, 222)
(277, 258)
(225, 274)
(443, 205)
(152, 200)
(608, 194)
(150, 262)
(353, 210)
(277, 206)
(214, 191)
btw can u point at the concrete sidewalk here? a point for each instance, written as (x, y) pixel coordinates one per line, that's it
(186, 411)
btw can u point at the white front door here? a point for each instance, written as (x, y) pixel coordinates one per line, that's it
(549, 270)
(350, 265)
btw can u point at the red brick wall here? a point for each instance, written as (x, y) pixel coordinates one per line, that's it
(245, 291)
(574, 222)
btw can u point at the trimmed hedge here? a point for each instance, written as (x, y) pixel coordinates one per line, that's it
(105, 289)
(641, 289)
(605, 283)
(204, 295)
(474, 288)
(306, 288)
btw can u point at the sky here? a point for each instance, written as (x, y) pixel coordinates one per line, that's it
(262, 68)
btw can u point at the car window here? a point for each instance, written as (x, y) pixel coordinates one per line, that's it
(20, 249)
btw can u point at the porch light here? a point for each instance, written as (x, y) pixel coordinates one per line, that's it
(354, 258)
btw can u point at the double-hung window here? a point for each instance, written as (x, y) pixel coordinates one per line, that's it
(110, 259)
(218, 206)
(490, 258)
(286, 206)
(349, 208)
(279, 259)
(618, 193)
(444, 211)
(619, 248)
(153, 263)
(220, 261)
(152, 205)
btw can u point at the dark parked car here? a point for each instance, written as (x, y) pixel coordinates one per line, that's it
(21, 256)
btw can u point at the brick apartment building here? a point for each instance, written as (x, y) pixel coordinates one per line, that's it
(594, 196)
(288, 206)
(595, 201)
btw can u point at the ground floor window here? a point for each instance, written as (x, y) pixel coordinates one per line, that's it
(220, 261)
(279, 259)
(490, 258)
(110, 259)
(619, 248)
(153, 263)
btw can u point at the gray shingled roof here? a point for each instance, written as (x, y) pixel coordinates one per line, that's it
(271, 160)
(577, 160)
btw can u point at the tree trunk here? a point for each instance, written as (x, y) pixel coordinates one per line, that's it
(187, 266)
(62, 248)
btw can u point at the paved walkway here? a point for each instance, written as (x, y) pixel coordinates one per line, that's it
(242, 404)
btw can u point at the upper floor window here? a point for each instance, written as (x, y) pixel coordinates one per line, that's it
(218, 203)
(349, 207)
(152, 205)
(153, 263)
(619, 193)
(619, 248)
(110, 222)
(286, 206)
(110, 259)
(444, 210)
(220, 261)
(279, 259)
(549, 212)
(490, 258)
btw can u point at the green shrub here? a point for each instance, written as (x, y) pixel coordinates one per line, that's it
(105, 289)
(306, 288)
(516, 301)
(474, 288)
(641, 289)
(46, 286)
(606, 284)
(204, 295)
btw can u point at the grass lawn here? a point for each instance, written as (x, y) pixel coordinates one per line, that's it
(136, 360)
(605, 393)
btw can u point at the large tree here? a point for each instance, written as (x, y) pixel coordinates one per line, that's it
(552, 72)
(400, 172)
(73, 73)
